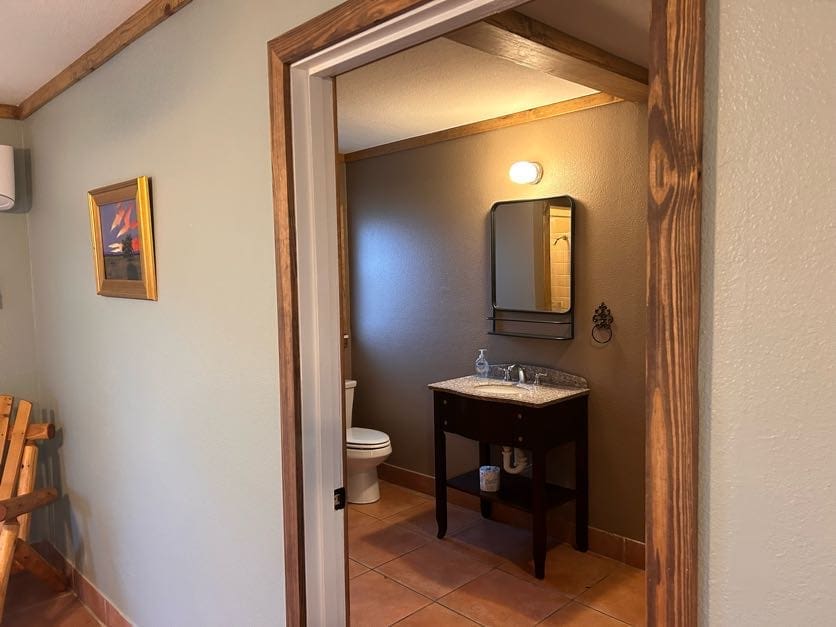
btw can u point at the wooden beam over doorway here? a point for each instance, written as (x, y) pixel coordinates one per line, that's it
(146, 18)
(504, 121)
(527, 42)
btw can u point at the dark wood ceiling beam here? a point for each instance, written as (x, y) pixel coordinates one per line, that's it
(493, 124)
(151, 14)
(527, 42)
(9, 112)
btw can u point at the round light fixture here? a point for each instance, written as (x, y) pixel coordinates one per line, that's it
(526, 172)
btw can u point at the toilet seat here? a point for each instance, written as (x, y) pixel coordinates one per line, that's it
(360, 439)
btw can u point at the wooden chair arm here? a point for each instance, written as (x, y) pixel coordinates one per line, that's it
(37, 431)
(17, 505)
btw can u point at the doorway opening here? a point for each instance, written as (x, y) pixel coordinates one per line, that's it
(439, 236)
(302, 64)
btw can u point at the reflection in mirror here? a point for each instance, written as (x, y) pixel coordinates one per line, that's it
(532, 255)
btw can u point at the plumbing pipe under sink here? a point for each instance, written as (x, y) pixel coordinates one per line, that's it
(520, 460)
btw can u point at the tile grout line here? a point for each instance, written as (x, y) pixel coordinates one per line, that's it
(521, 576)
(460, 614)
(597, 611)
(573, 597)
(493, 568)
(578, 599)
(423, 607)
(393, 559)
(432, 601)
(395, 581)
(451, 591)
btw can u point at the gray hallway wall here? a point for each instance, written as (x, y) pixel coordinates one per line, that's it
(17, 330)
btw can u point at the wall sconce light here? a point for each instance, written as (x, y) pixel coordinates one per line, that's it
(7, 177)
(526, 172)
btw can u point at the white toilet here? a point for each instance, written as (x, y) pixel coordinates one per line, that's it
(366, 449)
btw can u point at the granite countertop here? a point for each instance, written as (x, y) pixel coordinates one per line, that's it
(558, 387)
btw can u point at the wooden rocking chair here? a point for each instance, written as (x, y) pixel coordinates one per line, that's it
(18, 497)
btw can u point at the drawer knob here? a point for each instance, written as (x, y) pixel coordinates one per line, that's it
(444, 402)
(519, 439)
(519, 416)
(445, 423)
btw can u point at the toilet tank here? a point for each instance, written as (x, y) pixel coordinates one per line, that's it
(349, 400)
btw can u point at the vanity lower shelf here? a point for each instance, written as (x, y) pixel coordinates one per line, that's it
(514, 490)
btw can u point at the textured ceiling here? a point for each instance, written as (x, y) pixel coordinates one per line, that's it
(437, 85)
(618, 26)
(39, 38)
(442, 84)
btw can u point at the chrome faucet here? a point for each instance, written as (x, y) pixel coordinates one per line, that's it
(510, 369)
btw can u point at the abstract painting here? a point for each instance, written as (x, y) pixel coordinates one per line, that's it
(123, 243)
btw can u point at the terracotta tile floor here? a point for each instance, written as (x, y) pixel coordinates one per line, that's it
(30, 603)
(480, 574)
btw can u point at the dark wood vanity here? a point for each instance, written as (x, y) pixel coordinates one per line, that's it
(536, 419)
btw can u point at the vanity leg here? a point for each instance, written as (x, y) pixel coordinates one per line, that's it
(485, 460)
(441, 481)
(538, 511)
(582, 487)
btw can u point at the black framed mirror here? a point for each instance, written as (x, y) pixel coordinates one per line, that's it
(532, 267)
(532, 255)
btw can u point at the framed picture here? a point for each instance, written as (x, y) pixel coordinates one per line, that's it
(123, 240)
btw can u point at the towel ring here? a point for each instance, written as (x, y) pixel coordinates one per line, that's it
(602, 324)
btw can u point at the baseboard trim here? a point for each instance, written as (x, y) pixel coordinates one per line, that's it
(90, 596)
(614, 546)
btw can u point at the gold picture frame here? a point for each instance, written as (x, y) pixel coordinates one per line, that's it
(123, 239)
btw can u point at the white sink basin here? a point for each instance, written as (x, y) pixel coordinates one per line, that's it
(511, 392)
(506, 389)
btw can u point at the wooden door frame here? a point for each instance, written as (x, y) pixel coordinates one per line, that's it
(673, 280)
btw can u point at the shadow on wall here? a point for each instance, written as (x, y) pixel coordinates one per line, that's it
(58, 523)
(707, 282)
(68, 520)
(23, 181)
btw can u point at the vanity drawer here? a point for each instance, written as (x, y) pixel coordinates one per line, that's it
(454, 414)
(524, 426)
(485, 421)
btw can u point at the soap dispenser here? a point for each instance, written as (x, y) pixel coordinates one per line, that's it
(482, 366)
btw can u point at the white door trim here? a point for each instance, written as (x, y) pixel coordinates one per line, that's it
(315, 192)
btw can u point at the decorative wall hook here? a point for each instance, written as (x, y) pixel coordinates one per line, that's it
(602, 324)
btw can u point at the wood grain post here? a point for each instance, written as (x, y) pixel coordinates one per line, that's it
(26, 484)
(8, 536)
(14, 454)
(673, 257)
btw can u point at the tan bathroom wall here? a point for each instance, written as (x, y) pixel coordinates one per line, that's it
(420, 287)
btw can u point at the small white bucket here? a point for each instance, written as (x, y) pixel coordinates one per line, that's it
(489, 478)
